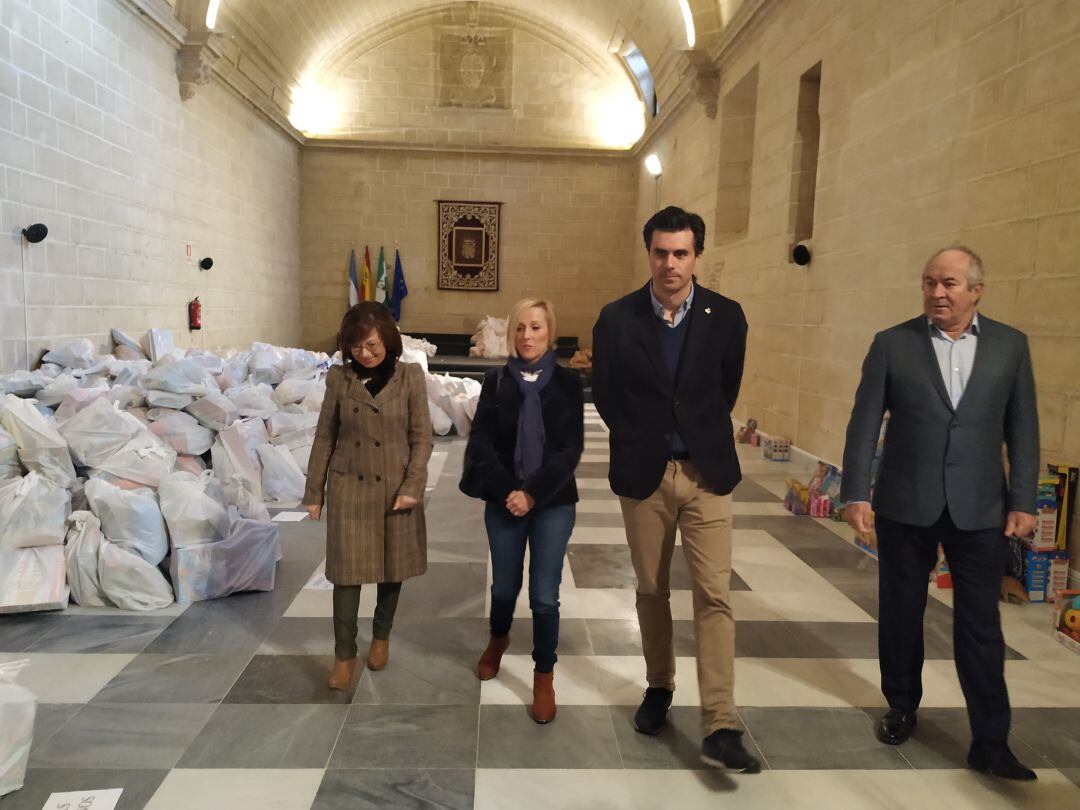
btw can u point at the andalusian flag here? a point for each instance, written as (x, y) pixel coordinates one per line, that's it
(354, 291)
(400, 290)
(382, 294)
(366, 291)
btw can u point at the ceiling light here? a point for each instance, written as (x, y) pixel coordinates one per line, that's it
(211, 14)
(619, 119)
(688, 20)
(652, 165)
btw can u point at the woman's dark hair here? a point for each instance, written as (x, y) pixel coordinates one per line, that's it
(672, 220)
(362, 319)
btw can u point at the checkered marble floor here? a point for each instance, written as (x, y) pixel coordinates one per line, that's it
(224, 704)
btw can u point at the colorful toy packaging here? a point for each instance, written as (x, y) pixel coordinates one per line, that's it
(777, 448)
(1067, 620)
(747, 434)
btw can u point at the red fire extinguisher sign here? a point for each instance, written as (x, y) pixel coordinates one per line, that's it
(194, 314)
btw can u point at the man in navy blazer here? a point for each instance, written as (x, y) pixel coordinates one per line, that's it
(957, 386)
(667, 363)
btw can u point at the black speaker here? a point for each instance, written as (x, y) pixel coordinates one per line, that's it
(206, 263)
(35, 233)
(800, 254)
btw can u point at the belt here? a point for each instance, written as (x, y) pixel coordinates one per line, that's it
(680, 456)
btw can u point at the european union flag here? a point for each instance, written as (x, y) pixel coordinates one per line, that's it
(400, 290)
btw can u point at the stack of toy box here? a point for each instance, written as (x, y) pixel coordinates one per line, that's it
(1045, 560)
(1067, 620)
(797, 498)
(747, 434)
(941, 575)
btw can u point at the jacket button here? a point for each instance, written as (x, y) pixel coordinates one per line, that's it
(360, 477)
(358, 444)
(377, 444)
(378, 478)
(376, 410)
(356, 410)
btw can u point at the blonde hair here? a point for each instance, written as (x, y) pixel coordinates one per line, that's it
(515, 318)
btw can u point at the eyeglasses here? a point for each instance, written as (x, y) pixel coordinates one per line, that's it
(373, 346)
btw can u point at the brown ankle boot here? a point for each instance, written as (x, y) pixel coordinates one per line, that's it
(488, 665)
(378, 654)
(341, 675)
(543, 708)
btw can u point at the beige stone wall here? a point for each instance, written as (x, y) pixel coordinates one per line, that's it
(96, 143)
(941, 122)
(567, 232)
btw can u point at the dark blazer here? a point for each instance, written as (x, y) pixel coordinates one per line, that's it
(638, 400)
(493, 437)
(935, 456)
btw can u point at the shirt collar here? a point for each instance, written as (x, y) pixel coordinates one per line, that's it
(684, 307)
(935, 330)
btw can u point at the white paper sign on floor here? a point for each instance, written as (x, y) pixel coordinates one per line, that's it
(84, 800)
(289, 517)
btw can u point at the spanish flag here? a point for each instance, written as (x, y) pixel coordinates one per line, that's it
(366, 290)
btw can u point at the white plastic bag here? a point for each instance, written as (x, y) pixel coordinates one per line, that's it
(234, 372)
(294, 390)
(231, 457)
(33, 512)
(253, 400)
(301, 455)
(143, 460)
(32, 579)
(265, 364)
(78, 353)
(239, 493)
(183, 433)
(126, 346)
(81, 559)
(215, 411)
(53, 393)
(244, 561)
(180, 377)
(18, 706)
(77, 400)
(440, 422)
(41, 447)
(167, 399)
(9, 456)
(157, 343)
(98, 432)
(129, 518)
(191, 464)
(282, 479)
(129, 581)
(194, 509)
(126, 396)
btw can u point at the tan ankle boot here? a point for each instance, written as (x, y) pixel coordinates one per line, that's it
(488, 665)
(543, 708)
(378, 654)
(341, 675)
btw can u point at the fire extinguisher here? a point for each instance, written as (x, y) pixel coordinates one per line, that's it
(194, 314)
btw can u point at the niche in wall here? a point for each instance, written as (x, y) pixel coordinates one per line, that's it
(738, 114)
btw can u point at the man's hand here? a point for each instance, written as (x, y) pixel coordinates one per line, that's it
(858, 516)
(314, 510)
(1020, 524)
(519, 502)
(404, 502)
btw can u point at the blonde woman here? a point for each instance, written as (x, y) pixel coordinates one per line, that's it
(526, 440)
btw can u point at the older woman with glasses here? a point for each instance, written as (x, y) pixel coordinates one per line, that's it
(370, 456)
(526, 440)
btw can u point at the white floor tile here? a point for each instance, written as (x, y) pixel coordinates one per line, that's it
(68, 677)
(229, 789)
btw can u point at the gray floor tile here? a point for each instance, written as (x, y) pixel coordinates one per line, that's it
(840, 555)
(138, 786)
(398, 788)
(175, 678)
(1051, 733)
(765, 640)
(422, 736)
(835, 639)
(592, 469)
(623, 636)
(446, 635)
(19, 630)
(942, 738)
(101, 634)
(466, 551)
(792, 532)
(267, 736)
(602, 520)
(414, 678)
(578, 737)
(609, 566)
(300, 636)
(1072, 774)
(748, 491)
(446, 590)
(214, 626)
(48, 720)
(781, 734)
(139, 735)
(289, 679)
(677, 746)
(573, 637)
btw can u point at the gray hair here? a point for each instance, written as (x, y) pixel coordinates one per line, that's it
(975, 272)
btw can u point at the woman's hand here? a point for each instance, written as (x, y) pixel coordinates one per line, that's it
(404, 502)
(519, 502)
(314, 510)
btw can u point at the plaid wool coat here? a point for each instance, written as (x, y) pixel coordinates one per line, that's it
(367, 451)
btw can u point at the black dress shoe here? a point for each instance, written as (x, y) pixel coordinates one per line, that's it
(651, 716)
(1000, 761)
(724, 749)
(895, 727)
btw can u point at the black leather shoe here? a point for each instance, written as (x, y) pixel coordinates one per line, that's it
(1000, 761)
(895, 727)
(724, 749)
(651, 716)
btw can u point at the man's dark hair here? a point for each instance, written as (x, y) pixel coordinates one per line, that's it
(361, 320)
(672, 220)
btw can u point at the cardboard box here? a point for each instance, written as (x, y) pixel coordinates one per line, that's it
(1067, 620)
(33, 579)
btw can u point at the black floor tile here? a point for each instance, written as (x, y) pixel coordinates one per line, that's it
(398, 788)
(678, 746)
(138, 786)
(101, 634)
(422, 736)
(446, 590)
(842, 738)
(579, 737)
(1051, 733)
(19, 630)
(623, 637)
(289, 679)
(749, 491)
(217, 625)
(415, 677)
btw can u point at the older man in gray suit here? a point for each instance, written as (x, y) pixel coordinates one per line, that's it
(957, 387)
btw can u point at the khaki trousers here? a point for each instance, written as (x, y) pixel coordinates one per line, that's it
(703, 518)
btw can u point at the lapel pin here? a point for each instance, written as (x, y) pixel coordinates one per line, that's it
(708, 310)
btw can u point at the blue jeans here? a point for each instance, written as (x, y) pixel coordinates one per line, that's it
(547, 533)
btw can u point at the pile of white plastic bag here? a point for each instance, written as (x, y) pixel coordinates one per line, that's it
(18, 707)
(489, 339)
(99, 450)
